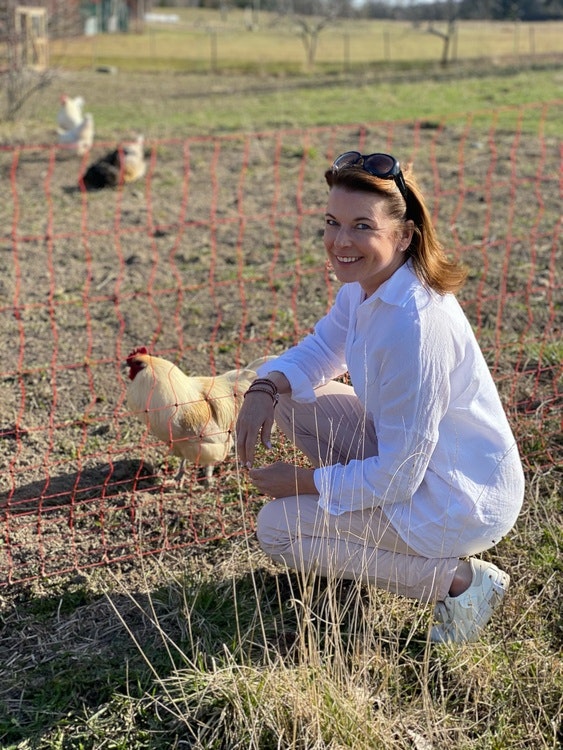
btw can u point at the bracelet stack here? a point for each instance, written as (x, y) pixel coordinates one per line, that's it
(264, 385)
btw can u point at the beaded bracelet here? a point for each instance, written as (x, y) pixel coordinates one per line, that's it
(264, 385)
(265, 381)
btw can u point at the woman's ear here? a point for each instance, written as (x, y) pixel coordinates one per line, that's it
(406, 234)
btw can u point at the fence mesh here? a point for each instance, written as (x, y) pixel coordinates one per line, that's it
(213, 259)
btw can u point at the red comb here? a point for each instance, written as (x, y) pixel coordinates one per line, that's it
(138, 350)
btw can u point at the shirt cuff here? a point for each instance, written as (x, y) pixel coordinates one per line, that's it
(301, 388)
(323, 479)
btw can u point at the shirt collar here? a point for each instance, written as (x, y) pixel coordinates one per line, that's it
(399, 288)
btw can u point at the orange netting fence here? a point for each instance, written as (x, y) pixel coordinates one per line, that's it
(215, 258)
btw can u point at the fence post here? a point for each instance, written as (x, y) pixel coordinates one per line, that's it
(346, 38)
(386, 46)
(213, 44)
(532, 39)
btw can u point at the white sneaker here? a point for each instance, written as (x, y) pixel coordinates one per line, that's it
(463, 617)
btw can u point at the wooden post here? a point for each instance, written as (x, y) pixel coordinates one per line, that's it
(213, 40)
(386, 46)
(346, 37)
(31, 29)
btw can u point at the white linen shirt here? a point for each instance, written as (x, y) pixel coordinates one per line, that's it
(447, 474)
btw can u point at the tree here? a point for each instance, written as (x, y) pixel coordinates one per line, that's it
(310, 30)
(448, 35)
(311, 17)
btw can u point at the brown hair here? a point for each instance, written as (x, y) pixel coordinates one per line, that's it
(430, 262)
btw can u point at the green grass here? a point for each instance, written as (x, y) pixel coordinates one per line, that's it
(170, 105)
(384, 100)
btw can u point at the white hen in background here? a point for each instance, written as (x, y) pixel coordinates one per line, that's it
(70, 113)
(81, 137)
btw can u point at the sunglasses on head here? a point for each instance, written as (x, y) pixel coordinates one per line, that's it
(383, 166)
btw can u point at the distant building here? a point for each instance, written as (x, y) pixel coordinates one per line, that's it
(114, 15)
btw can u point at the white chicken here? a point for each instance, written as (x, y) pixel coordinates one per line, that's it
(81, 137)
(124, 164)
(195, 416)
(70, 113)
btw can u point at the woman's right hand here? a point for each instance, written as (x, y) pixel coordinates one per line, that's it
(256, 418)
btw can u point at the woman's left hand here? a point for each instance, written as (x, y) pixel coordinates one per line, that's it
(284, 480)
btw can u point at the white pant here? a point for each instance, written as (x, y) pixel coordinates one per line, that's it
(361, 545)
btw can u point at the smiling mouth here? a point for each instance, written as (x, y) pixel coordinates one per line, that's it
(345, 259)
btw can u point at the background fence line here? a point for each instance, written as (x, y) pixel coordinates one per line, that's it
(211, 260)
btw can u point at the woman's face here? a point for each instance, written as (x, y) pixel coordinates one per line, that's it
(362, 242)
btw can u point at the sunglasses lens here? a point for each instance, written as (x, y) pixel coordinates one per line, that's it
(349, 159)
(380, 164)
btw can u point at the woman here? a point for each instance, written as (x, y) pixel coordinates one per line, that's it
(415, 465)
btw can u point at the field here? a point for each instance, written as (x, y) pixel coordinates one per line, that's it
(190, 637)
(204, 40)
